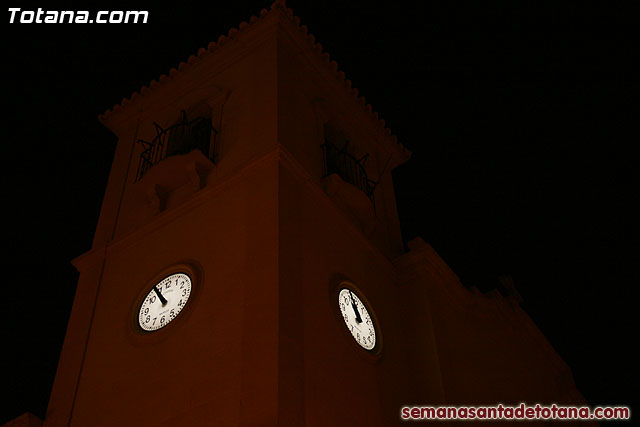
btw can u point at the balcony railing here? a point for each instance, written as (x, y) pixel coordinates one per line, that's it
(181, 138)
(351, 170)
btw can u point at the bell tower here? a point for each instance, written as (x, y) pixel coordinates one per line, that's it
(255, 170)
(248, 267)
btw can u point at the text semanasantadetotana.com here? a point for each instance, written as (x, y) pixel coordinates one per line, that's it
(521, 412)
(17, 15)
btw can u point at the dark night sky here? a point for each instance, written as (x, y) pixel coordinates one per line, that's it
(519, 116)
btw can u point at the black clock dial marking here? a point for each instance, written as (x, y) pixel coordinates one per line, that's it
(162, 299)
(357, 318)
(355, 309)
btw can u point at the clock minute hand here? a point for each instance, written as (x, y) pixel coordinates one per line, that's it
(355, 309)
(162, 299)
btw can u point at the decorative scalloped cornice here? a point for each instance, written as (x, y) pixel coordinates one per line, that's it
(202, 52)
(278, 6)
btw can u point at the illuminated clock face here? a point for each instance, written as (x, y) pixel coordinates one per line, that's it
(357, 318)
(164, 302)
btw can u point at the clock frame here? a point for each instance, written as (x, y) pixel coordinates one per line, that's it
(136, 333)
(165, 301)
(339, 283)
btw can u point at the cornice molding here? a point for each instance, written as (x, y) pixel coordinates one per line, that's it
(278, 16)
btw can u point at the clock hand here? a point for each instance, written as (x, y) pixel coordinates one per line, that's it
(162, 299)
(355, 309)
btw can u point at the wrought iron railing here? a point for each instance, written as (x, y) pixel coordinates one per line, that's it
(351, 170)
(181, 138)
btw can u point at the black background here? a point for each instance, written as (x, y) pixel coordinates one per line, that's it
(519, 116)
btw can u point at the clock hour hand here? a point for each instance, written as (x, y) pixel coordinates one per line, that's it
(355, 309)
(162, 299)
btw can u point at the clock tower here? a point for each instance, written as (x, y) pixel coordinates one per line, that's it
(248, 267)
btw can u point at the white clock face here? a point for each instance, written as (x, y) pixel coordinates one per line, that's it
(164, 302)
(357, 318)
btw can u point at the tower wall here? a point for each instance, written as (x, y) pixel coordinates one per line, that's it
(225, 224)
(319, 246)
(315, 105)
(222, 350)
(235, 86)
